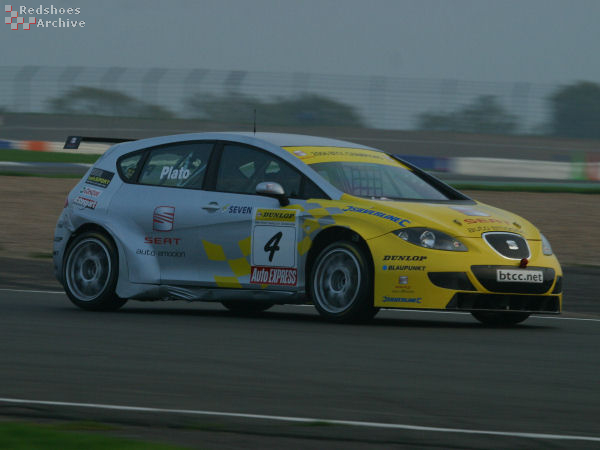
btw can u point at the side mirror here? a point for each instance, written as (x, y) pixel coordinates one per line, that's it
(272, 189)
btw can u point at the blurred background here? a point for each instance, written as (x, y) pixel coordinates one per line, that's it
(516, 68)
(490, 95)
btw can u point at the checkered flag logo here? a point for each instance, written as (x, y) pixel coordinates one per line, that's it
(14, 20)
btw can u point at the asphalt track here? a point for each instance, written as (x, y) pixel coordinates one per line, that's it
(214, 380)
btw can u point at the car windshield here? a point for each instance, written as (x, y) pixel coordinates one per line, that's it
(380, 181)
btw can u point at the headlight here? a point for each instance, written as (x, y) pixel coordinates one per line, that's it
(546, 247)
(428, 238)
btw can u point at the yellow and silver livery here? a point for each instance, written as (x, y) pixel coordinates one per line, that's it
(253, 220)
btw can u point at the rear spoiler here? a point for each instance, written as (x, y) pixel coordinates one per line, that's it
(72, 142)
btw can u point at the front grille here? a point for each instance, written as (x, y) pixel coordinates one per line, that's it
(464, 301)
(486, 275)
(509, 245)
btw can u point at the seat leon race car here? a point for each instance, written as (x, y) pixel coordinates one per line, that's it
(254, 220)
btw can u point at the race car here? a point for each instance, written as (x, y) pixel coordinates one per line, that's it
(257, 219)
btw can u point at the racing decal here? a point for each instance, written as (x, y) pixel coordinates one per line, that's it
(84, 202)
(403, 267)
(276, 215)
(170, 173)
(274, 241)
(279, 276)
(163, 218)
(168, 245)
(99, 177)
(161, 253)
(161, 240)
(382, 215)
(404, 258)
(520, 276)
(90, 192)
(487, 228)
(387, 299)
(312, 155)
(469, 211)
(236, 209)
(490, 220)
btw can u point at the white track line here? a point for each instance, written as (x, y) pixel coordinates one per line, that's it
(304, 420)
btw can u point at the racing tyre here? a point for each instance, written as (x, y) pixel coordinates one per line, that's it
(90, 272)
(341, 283)
(500, 319)
(246, 307)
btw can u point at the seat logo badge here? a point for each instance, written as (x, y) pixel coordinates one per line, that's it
(512, 245)
(163, 218)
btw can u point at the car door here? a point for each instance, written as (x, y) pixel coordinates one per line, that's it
(248, 240)
(159, 210)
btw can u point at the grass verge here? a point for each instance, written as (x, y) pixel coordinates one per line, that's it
(54, 157)
(17, 436)
(8, 173)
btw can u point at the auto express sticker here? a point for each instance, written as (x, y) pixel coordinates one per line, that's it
(274, 246)
(279, 276)
(99, 177)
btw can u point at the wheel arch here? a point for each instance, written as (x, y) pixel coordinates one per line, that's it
(90, 226)
(328, 236)
(123, 269)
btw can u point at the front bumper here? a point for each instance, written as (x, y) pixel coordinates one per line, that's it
(470, 301)
(407, 276)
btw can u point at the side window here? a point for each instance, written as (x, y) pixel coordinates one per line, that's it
(311, 190)
(177, 165)
(242, 168)
(128, 165)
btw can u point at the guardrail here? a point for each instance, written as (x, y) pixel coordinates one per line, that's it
(510, 168)
(476, 166)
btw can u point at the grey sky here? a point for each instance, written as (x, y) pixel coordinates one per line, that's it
(543, 41)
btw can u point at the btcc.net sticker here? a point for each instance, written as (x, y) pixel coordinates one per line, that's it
(519, 276)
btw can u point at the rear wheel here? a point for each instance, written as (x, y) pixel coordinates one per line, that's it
(90, 272)
(341, 283)
(246, 307)
(500, 319)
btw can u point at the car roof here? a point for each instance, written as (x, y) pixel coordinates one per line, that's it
(270, 141)
(300, 140)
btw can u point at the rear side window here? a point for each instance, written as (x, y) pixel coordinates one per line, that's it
(177, 165)
(128, 166)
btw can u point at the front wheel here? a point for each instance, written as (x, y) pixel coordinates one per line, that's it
(90, 272)
(341, 283)
(500, 319)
